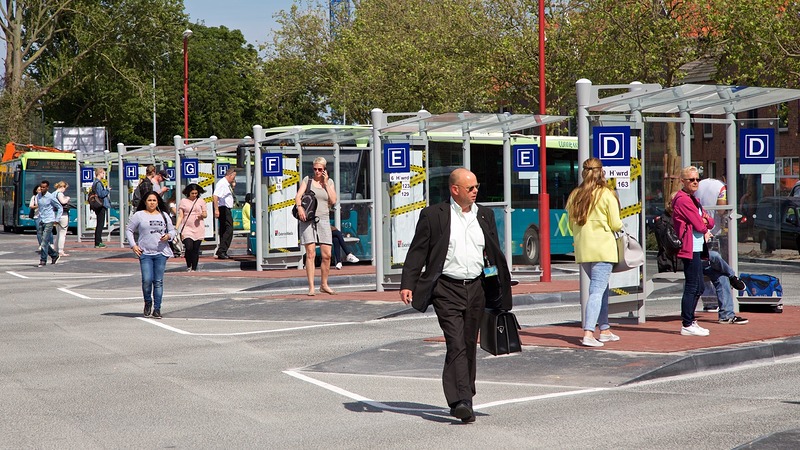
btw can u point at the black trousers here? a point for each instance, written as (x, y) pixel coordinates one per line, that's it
(192, 252)
(459, 309)
(225, 230)
(101, 224)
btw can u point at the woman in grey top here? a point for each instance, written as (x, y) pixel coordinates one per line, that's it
(155, 230)
(317, 231)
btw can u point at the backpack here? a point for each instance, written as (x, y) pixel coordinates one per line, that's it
(760, 285)
(309, 203)
(142, 189)
(668, 244)
(94, 200)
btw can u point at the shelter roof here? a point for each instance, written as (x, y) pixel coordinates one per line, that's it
(466, 122)
(695, 99)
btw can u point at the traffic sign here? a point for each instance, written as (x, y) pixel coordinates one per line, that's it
(272, 165)
(526, 158)
(87, 174)
(757, 146)
(130, 171)
(222, 169)
(170, 174)
(396, 158)
(190, 168)
(612, 145)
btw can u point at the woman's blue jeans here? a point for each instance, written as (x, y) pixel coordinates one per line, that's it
(693, 287)
(153, 278)
(597, 306)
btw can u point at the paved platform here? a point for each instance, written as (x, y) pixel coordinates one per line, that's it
(646, 351)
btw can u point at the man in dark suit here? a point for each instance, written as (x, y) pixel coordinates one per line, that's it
(457, 244)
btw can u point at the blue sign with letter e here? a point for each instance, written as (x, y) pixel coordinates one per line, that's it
(190, 168)
(272, 165)
(612, 145)
(526, 158)
(396, 158)
(757, 146)
(130, 171)
(87, 174)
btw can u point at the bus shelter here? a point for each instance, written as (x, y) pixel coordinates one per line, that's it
(85, 163)
(402, 192)
(204, 161)
(134, 159)
(637, 108)
(283, 157)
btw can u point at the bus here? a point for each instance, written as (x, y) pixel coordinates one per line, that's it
(445, 153)
(486, 161)
(19, 176)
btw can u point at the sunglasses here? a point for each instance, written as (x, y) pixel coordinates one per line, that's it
(318, 170)
(692, 180)
(470, 188)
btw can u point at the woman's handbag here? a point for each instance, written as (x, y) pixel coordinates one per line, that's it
(630, 252)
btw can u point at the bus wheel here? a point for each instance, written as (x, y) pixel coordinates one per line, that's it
(531, 246)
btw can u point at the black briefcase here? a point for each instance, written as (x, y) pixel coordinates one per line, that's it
(500, 332)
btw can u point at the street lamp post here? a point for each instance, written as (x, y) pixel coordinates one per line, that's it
(186, 35)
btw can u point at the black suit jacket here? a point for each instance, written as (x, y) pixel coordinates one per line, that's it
(429, 250)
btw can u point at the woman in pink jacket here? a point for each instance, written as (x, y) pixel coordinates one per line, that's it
(693, 225)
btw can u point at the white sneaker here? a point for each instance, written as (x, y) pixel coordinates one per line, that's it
(591, 342)
(351, 258)
(610, 337)
(694, 330)
(338, 266)
(698, 326)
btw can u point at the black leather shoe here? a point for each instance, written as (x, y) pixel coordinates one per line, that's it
(463, 410)
(223, 256)
(469, 419)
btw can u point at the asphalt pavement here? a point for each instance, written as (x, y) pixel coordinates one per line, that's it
(77, 325)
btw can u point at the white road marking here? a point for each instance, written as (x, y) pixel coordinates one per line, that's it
(74, 293)
(159, 323)
(380, 405)
(354, 396)
(18, 275)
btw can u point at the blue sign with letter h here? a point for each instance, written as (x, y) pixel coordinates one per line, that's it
(130, 172)
(222, 169)
(612, 145)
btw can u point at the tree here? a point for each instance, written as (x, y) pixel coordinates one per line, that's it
(54, 49)
(620, 41)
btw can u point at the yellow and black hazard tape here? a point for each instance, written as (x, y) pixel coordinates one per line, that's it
(415, 180)
(284, 204)
(208, 179)
(630, 210)
(292, 179)
(407, 208)
(619, 291)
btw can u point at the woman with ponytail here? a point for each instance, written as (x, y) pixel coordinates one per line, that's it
(593, 211)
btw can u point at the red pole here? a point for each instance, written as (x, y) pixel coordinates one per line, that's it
(186, 35)
(544, 197)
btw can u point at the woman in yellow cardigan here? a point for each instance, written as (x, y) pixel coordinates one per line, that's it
(593, 211)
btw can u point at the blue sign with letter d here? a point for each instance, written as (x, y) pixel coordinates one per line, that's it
(612, 145)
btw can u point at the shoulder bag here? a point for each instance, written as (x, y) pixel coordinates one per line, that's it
(629, 251)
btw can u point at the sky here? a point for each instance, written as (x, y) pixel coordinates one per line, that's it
(252, 17)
